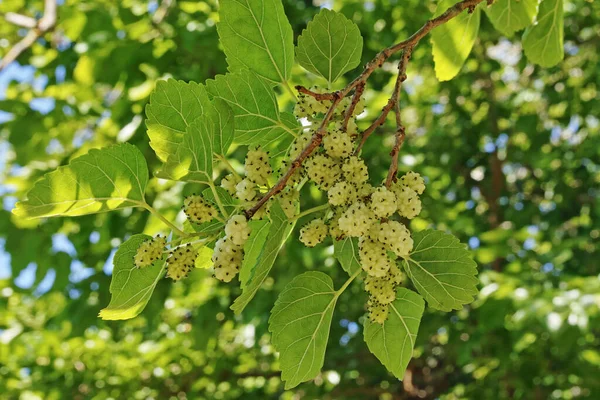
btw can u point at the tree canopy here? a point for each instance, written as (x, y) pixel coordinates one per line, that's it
(98, 113)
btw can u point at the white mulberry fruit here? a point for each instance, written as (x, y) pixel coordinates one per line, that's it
(396, 237)
(322, 170)
(181, 261)
(237, 229)
(355, 170)
(383, 202)
(198, 210)
(409, 204)
(313, 233)
(338, 144)
(356, 220)
(149, 251)
(245, 190)
(257, 167)
(414, 181)
(373, 257)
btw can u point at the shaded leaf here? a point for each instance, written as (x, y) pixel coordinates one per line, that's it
(253, 249)
(131, 287)
(509, 16)
(442, 270)
(393, 341)
(279, 231)
(257, 35)
(254, 106)
(543, 42)
(173, 106)
(330, 45)
(346, 252)
(300, 323)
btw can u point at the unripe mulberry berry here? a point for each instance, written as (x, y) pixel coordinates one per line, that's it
(381, 289)
(342, 193)
(302, 109)
(229, 182)
(237, 229)
(299, 144)
(383, 202)
(355, 170)
(373, 257)
(313, 233)
(150, 251)
(365, 190)
(288, 201)
(181, 261)
(199, 210)
(357, 219)
(378, 312)
(395, 275)
(396, 237)
(245, 190)
(409, 204)
(414, 181)
(338, 144)
(227, 259)
(322, 170)
(257, 167)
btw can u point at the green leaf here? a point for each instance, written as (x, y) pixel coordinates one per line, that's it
(253, 249)
(173, 106)
(131, 287)
(204, 259)
(330, 46)
(257, 35)
(193, 160)
(300, 323)
(543, 42)
(104, 179)
(279, 231)
(453, 41)
(442, 270)
(393, 341)
(509, 16)
(229, 203)
(223, 126)
(346, 252)
(256, 113)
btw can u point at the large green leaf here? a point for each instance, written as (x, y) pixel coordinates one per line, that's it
(453, 41)
(173, 106)
(131, 287)
(300, 323)
(256, 35)
(393, 341)
(279, 231)
(509, 16)
(256, 113)
(442, 270)
(193, 159)
(104, 179)
(543, 42)
(330, 45)
(346, 252)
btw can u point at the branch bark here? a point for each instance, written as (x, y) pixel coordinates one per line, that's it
(37, 30)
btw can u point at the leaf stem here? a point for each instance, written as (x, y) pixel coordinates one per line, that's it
(310, 211)
(157, 214)
(347, 283)
(228, 165)
(218, 201)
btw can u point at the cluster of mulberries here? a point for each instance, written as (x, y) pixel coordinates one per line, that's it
(356, 208)
(198, 210)
(150, 251)
(258, 172)
(229, 250)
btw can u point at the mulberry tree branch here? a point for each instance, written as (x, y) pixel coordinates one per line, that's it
(36, 31)
(336, 97)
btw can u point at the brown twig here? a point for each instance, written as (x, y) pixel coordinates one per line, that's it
(43, 25)
(318, 96)
(336, 97)
(355, 99)
(400, 130)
